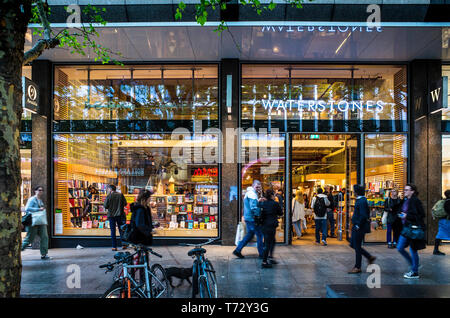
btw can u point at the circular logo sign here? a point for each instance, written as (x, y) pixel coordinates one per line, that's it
(32, 93)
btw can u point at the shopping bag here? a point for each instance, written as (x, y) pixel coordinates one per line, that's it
(39, 218)
(240, 233)
(384, 218)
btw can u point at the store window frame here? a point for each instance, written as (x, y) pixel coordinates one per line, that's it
(54, 130)
(361, 137)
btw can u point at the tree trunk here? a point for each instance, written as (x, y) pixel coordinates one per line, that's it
(14, 17)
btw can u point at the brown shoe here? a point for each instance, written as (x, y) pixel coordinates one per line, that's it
(355, 271)
(372, 259)
(114, 249)
(124, 247)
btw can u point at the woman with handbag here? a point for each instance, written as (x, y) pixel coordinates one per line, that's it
(413, 233)
(391, 219)
(298, 214)
(444, 226)
(38, 226)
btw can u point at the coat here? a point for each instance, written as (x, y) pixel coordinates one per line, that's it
(415, 215)
(270, 212)
(251, 205)
(141, 220)
(298, 210)
(392, 207)
(361, 215)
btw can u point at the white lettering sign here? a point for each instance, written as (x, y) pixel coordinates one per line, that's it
(322, 106)
(327, 29)
(110, 105)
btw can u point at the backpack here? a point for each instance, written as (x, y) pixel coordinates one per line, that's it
(320, 208)
(438, 211)
(129, 230)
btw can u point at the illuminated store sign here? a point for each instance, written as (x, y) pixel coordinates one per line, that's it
(322, 106)
(110, 105)
(211, 172)
(133, 172)
(327, 29)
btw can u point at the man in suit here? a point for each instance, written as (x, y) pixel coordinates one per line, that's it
(361, 226)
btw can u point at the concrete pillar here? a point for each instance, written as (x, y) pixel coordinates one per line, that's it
(426, 139)
(230, 173)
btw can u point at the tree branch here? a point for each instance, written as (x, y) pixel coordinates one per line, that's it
(38, 48)
(44, 20)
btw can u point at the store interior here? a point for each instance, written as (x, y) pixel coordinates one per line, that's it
(184, 182)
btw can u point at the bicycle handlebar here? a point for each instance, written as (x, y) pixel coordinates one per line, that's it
(201, 244)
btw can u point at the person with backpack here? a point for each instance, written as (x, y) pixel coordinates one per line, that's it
(361, 226)
(441, 211)
(141, 219)
(320, 203)
(391, 206)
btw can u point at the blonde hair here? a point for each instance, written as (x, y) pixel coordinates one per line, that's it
(299, 197)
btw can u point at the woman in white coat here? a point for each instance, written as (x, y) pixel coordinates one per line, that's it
(298, 213)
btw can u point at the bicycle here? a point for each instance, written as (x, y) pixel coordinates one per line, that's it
(136, 278)
(204, 280)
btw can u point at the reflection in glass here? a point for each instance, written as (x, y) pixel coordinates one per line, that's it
(445, 163)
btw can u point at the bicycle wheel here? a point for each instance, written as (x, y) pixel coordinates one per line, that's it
(211, 279)
(159, 284)
(118, 290)
(203, 287)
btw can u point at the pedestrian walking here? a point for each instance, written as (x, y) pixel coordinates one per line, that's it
(298, 214)
(115, 203)
(270, 212)
(394, 224)
(361, 226)
(35, 206)
(330, 211)
(444, 225)
(141, 219)
(413, 233)
(319, 204)
(251, 210)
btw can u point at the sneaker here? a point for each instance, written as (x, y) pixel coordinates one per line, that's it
(411, 275)
(324, 243)
(124, 247)
(372, 259)
(272, 261)
(438, 253)
(266, 265)
(45, 257)
(390, 245)
(238, 254)
(114, 249)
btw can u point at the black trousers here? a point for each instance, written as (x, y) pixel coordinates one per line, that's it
(356, 243)
(269, 242)
(397, 227)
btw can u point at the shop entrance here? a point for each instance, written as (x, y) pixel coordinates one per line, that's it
(328, 161)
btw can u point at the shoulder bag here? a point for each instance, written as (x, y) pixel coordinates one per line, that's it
(413, 232)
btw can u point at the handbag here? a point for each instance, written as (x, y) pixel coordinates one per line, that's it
(240, 233)
(27, 219)
(413, 232)
(39, 218)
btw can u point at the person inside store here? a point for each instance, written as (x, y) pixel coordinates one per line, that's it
(298, 214)
(444, 226)
(361, 226)
(319, 204)
(115, 203)
(330, 210)
(37, 227)
(306, 200)
(251, 209)
(141, 218)
(279, 196)
(270, 212)
(394, 224)
(412, 215)
(89, 199)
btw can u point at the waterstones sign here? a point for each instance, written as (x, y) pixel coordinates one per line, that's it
(327, 29)
(110, 105)
(322, 106)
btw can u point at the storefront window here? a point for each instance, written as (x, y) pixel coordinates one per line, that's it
(445, 163)
(385, 170)
(445, 76)
(26, 71)
(324, 92)
(183, 174)
(263, 159)
(25, 168)
(152, 92)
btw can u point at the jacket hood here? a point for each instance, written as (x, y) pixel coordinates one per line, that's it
(251, 193)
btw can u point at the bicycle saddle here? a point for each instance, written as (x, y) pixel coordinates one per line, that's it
(122, 255)
(196, 251)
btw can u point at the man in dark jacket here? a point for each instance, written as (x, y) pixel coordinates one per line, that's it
(330, 210)
(361, 226)
(115, 203)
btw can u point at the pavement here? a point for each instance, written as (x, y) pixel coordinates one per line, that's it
(303, 271)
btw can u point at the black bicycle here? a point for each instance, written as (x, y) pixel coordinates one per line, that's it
(204, 280)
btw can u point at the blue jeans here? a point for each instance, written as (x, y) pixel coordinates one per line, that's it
(119, 220)
(252, 229)
(330, 217)
(412, 261)
(298, 227)
(321, 226)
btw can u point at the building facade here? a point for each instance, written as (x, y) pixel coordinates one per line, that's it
(296, 99)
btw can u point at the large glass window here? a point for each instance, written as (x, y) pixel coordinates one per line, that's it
(445, 163)
(152, 92)
(385, 170)
(183, 174)
(342, 92)
(445, 76)
(26, 71)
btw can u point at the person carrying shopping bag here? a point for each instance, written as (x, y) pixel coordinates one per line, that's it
(298, 213)
(38, 225)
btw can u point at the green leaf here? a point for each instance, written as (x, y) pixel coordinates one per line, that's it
(272, 6)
